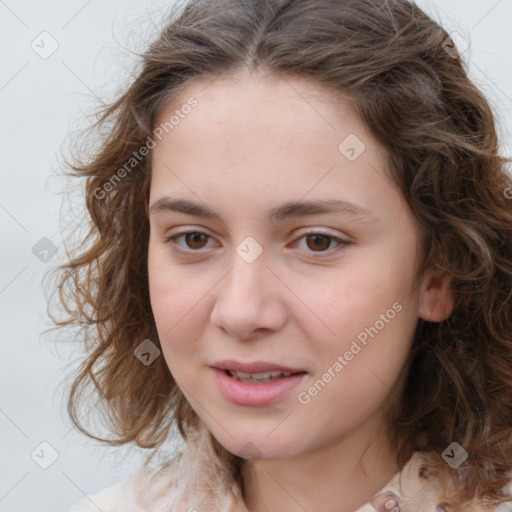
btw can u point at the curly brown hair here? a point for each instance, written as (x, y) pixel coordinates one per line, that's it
(390, 59)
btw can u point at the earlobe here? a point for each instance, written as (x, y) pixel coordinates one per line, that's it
(436, 298)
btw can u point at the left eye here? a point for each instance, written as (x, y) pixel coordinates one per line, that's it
(321, 241)
(195, 240)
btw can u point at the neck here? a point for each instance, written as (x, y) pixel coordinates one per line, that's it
(340, 476)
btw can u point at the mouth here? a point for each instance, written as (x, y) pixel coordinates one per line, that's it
(255, 368)
(256, 389)
(261, 377)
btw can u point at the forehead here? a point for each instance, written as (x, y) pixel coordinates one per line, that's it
(263, 105)
(262, 137)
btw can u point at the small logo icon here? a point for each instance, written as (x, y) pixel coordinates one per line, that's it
(455, 45)
(44, 250)
(44, 455)
(352, 147)
(44, 45)
(250, 451)
(147, 352)
(455, 455)
(249, 249)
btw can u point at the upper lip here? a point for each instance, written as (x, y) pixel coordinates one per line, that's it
(254, 367)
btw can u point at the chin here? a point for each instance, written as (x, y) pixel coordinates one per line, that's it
(257, 447)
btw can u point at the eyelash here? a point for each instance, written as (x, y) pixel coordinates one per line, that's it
(342, 244)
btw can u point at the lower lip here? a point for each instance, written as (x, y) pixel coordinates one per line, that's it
(252, 393)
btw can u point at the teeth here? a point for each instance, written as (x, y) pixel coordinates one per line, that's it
(257, 377)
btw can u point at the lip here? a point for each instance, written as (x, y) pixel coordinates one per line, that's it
(252, 393)
(253, 367)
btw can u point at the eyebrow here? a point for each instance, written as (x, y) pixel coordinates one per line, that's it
(276, 214)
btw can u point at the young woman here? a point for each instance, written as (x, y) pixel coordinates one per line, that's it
(300, 255)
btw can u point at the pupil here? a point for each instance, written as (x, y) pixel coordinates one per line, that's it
(195, 237)
(318, 239)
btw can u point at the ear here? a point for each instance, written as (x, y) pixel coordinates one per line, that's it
(436, 297)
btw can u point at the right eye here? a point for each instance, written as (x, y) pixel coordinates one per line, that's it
(193, 239)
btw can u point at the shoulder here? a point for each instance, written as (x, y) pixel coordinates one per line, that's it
(117, 497)
(127, 495)
(424, 484)
(194, 475)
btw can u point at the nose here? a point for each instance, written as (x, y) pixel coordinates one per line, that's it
(250, 300)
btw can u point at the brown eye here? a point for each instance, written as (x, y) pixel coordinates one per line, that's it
(195, 240)
(319, 244)
(318, 241)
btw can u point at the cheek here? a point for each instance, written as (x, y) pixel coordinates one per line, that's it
(343, 305)
(357, 376)
(177, 320)
(367, 315)
(174, 301)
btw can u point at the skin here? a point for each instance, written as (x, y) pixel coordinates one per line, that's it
(253, 142)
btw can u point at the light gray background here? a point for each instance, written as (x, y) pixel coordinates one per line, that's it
(41, 102)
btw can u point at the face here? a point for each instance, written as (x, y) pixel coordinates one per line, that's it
(326, 290)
